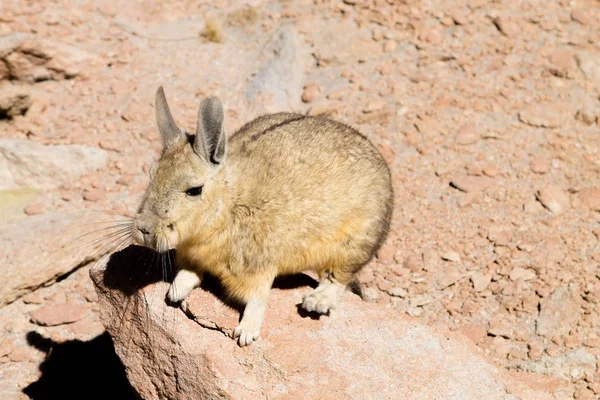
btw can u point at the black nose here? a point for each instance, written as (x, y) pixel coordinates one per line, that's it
(144, 231)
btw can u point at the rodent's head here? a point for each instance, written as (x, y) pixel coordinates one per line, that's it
(186, 186)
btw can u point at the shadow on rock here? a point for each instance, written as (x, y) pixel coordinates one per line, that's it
(79, 370)
(135, 267)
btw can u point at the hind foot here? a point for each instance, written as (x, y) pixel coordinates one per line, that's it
(185, 281)
(324, 298)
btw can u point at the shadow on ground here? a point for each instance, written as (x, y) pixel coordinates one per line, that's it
(92, 370)
(79, 370)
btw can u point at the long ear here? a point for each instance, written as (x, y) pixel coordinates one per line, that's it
(166, 124)
(211, 141)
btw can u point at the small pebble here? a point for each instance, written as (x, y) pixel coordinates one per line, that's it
(397, 292)
(310, 92)
(450, 256)
(34, 209)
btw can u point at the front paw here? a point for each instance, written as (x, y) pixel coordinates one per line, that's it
(185, 281)
(247, 331)
(177, 293)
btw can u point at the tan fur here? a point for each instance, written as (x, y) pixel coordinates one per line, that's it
(309, 195)
(294, 193)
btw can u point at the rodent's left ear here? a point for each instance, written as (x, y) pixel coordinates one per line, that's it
(211, 141)
(166, 124)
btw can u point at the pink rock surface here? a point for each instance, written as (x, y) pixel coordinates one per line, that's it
(59, 314)
(38, 250)
(361, 351)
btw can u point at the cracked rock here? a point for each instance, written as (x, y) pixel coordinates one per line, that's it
(14, 100)
(400, 356)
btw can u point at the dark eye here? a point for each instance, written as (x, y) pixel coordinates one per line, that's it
(195, 191)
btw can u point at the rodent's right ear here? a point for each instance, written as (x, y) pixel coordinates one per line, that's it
(166, 124)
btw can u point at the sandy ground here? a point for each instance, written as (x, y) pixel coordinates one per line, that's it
(488, 114)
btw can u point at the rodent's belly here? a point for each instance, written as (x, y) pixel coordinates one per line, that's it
(242, 265)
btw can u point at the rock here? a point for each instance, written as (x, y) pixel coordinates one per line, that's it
(59, 314)
(545, 115)
(500, 346)
(366, 275)
(459, 16)
(384, 285)
(541, 164)
(86, 328)
(377, 35)
(583, 16)
(389, 46)
(388, 151)
(450, 256)
(491, 170)
(468, 183)
(310, 92)
(585, 116)
(474, 170)
(374, 106)
(20, 354)
(127, 180)
(533, 207)
(414, 262)
(590, 198)
(499, 235)
(553, 198)
(480, 281)
(278, 82)
(420, 300)
(386, 253)
(322, 107)
(30, 261)
(6, 347)
(584, 393)
(33, 298)
(296, 357)
(574, 364)
(447, 277)
(370, 294)
(339, 94)
(535, 350)
(500, 326)
(93, 195)
(35, 209)
(341, 43)
(431, 35)
(26, 164)
(522, 273)
(430, 259)
(562, 64)
(397, 292)
(473, 331)
(466, 138)
(589, 64)
(14, 100)
(506, 26)
(31, 59)
(558, 312)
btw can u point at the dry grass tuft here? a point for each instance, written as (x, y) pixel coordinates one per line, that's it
(213, 31)
(243, 17)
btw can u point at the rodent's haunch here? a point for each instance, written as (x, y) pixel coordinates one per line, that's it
(286, 193)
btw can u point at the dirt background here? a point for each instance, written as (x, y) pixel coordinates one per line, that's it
(487, 112)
